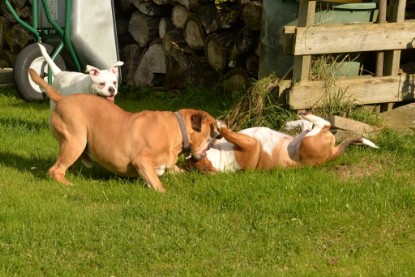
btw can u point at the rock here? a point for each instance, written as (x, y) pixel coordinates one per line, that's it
(341, 135)
(6, 76)
(401, 119)
(344, 128)
(342, 123)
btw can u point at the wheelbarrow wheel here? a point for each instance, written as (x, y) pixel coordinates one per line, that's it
(31, 57)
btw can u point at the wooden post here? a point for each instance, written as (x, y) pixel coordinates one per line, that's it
(302, 64)
(392, 58)
(380, 54)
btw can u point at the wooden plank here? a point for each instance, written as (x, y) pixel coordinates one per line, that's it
(305, 17)
(359, 37)
(363, 90)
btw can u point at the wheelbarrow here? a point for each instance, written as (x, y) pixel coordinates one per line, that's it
(86, 30)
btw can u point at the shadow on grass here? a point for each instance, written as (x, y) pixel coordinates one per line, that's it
(24, 124)
(39, 167)
(32, 165)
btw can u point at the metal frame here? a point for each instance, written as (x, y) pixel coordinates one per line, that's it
(40, 34)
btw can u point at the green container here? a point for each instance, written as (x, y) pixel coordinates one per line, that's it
(336, 13)
(275, 15)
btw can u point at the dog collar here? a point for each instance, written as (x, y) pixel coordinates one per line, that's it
(186, 148)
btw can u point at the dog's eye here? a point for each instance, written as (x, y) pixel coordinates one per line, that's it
(102, 84)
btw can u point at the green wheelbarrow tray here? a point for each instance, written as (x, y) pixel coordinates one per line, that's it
(87, 32)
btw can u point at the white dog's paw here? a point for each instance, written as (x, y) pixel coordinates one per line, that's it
(175, 170)
(302, 124)
(290, 125)
(220, 124)
(86, 161)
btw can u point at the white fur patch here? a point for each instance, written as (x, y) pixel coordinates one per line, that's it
(301, 123)
(161, 169)
(268, 138)
(369, 143)
(222, 156)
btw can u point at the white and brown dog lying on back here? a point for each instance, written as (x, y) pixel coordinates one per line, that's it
(264, 148)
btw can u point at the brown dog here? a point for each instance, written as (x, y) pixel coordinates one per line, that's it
(129, 144)
(264, 148)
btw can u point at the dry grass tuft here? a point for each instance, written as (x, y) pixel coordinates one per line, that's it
(259, 107)
(335, 101)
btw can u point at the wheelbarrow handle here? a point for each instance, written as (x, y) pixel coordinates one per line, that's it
(49, 17)
(34, 28)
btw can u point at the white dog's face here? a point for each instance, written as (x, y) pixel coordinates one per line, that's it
(105, 82)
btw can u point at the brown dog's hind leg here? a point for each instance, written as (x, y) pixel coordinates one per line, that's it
(68, 154)
(148, 173)
(338, 151)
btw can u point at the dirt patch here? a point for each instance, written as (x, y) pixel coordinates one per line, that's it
(357, 171)
(365, 167)
(368, 167)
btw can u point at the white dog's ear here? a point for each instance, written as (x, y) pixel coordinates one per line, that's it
(114, 67)
(93, 71)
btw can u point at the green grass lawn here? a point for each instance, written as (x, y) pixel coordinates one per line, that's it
(350, 217)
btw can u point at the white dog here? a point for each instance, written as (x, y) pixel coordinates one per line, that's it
(100, 82)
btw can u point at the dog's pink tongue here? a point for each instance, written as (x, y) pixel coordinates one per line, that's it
(111, 98)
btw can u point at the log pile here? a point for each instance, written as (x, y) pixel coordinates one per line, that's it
(190, 42)
(168, 43)
(13, 37)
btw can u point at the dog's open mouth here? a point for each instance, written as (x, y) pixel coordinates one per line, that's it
(109, 98)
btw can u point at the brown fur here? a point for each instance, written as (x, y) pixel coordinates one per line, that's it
(128, 144)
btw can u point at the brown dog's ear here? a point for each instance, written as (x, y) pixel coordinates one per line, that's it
(196, 120)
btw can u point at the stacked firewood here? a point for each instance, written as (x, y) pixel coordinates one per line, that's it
(168, 43)
(13, 36)
(177, 43)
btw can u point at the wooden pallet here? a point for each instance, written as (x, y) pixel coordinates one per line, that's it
(387, 38)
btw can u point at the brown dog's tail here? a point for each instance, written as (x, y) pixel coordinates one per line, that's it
(50, 91)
